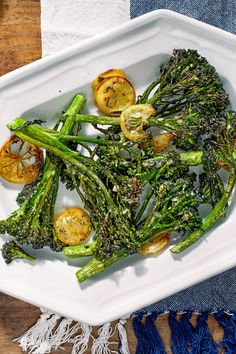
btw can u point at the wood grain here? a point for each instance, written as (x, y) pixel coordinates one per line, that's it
(20, 38)
(20, 44)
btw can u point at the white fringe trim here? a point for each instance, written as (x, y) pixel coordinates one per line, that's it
(37, 338)
(80, 342)
(51, 332)
(101, 344)
(124, 347)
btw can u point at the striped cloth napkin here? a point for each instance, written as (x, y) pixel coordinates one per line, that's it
(64, 23)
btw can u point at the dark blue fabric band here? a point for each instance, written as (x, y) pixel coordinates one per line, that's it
(218, 292)
(213, 294)
(219, 13)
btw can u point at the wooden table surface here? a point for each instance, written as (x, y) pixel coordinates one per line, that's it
(20, 43)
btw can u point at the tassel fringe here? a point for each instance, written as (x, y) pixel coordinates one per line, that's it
(204, 342)
(51, 332)
(123, 340)
(228, 323)
(148, 338)
(101, 344)
(80, 342)
(179, 342)
(37, 338)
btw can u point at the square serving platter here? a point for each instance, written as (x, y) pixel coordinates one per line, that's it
(43, 89)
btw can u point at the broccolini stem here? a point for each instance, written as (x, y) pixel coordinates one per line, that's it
(68, 119)
(156, 121)
(192, 158)
(76, 106)
(217, 212)
(83, 250)
(146, 202)
(69, 116)
(76, 185)
(97, 119)
(103, 120)
(154, 230)
(99, 265)
(50, 175)
(48, 181)
(96, 265)
(173, 88)
(143, 98)
(38, 136)
(79, 139)
(26, 256)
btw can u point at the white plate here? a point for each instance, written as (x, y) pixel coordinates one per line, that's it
(45, 87)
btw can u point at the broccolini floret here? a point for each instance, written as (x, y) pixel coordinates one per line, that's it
(188, 96)
(221, 146)
(10, 251)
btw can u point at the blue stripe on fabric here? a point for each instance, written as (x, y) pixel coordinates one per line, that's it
(213, 294)
(219, 13)
(218, 292)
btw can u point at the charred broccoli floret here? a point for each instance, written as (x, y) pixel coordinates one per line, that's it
(188, 97)
(10, 251)
(221, 147)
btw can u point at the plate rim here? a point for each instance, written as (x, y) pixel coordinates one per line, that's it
(127, 26)
(45, 63)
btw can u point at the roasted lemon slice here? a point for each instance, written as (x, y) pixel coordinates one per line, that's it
(106, 74)
(133, 121)
(72, 226)
(156, 245)
(20, 161)
(113, 95)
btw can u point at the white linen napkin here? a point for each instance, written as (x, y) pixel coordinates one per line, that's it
(66, 22)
